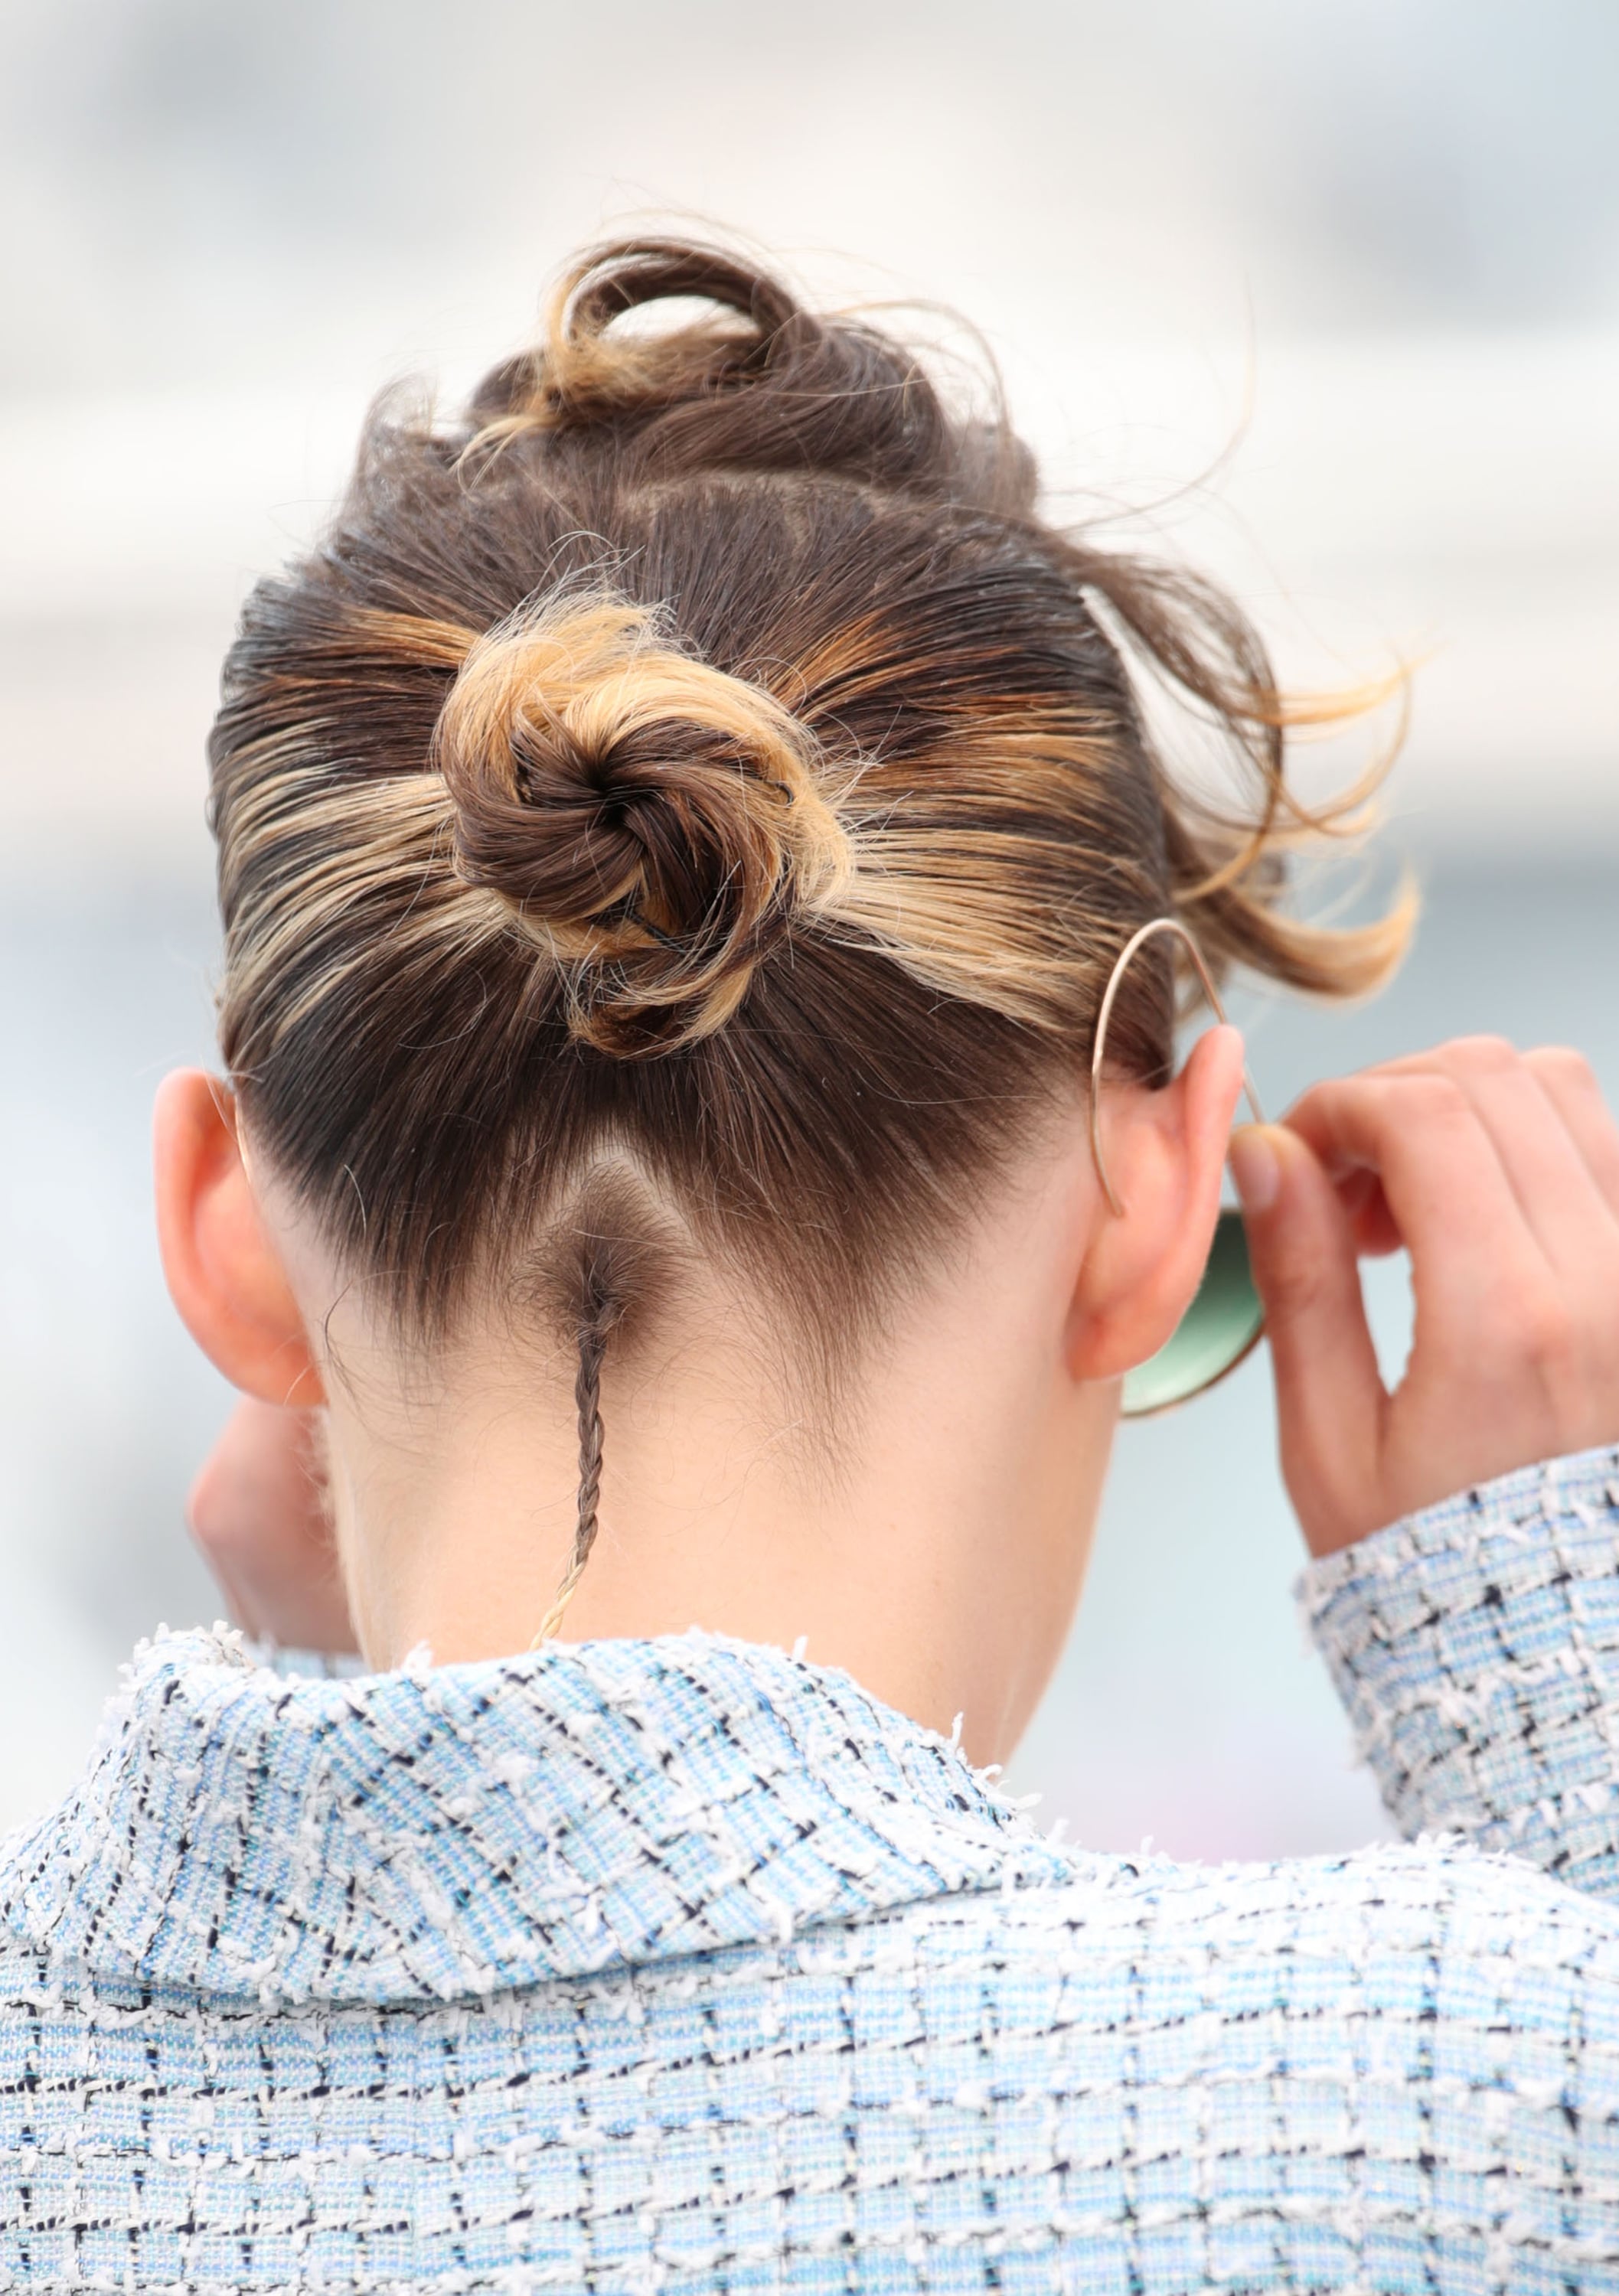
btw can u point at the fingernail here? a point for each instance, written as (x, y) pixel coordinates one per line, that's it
(1256, 1168)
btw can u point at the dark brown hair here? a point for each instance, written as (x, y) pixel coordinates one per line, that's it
(702, 759)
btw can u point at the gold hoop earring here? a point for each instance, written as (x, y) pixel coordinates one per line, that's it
(1225, 1321)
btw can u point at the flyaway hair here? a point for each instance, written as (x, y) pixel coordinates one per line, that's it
(702, 755)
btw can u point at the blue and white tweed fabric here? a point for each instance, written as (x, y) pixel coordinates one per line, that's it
(684, 1966)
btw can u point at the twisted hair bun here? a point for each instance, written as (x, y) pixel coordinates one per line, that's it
(441, 851)
(655, 823)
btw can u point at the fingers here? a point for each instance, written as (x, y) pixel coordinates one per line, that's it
(1548, 1163)
(1565, 1078)
(1473, 1251)
(1329, 1395)
(256, 1511)
(1564, 1208)
(1500, 1172)
(1362, 1198)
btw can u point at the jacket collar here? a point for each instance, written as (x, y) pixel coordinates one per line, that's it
(449, 1832)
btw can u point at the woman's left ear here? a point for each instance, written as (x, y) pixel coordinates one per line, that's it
(1166, 1151)
(225, 1274)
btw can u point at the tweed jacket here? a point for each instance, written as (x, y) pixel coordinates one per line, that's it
(682, 1965)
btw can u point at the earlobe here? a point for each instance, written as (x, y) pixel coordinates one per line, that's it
(1167, 1150)
(225, 1274)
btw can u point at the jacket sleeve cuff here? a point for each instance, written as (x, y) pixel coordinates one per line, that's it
(1475, 1647)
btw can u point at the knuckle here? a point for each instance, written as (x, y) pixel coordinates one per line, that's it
(1482, 1055)
(1563, 1063)
(1435, 1099)
(209, 1516)
(1292, 1287)
(1548, 1331)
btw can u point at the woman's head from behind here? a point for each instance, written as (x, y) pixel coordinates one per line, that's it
(674, 835)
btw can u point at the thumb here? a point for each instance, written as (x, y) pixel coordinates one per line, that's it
(1328, 1392)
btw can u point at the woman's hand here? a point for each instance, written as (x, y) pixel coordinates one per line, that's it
(1499, 1172)
(258, 1510)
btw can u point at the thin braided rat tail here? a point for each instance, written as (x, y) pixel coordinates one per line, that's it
(610, 1254)
(587, 1396)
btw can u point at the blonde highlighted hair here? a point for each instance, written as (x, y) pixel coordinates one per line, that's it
(702, 756)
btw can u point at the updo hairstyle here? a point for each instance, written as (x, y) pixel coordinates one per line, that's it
(699, 765)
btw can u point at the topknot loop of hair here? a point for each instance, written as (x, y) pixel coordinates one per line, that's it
(655, 823)
(585, 369)
(465, 836)
(757, 383)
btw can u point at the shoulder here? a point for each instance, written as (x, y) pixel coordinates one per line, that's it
(1404, 1934)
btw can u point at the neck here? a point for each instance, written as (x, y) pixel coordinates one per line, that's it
(928, 1532)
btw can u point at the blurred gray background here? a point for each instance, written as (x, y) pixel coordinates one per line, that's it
(1323, 294)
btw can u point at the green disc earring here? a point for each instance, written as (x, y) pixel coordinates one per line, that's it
(1225, 1320)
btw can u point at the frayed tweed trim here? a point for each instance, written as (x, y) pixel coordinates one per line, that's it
(449, 1832)
(1476, 1648)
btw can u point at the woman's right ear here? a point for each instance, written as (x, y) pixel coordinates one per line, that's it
(225, 1274)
